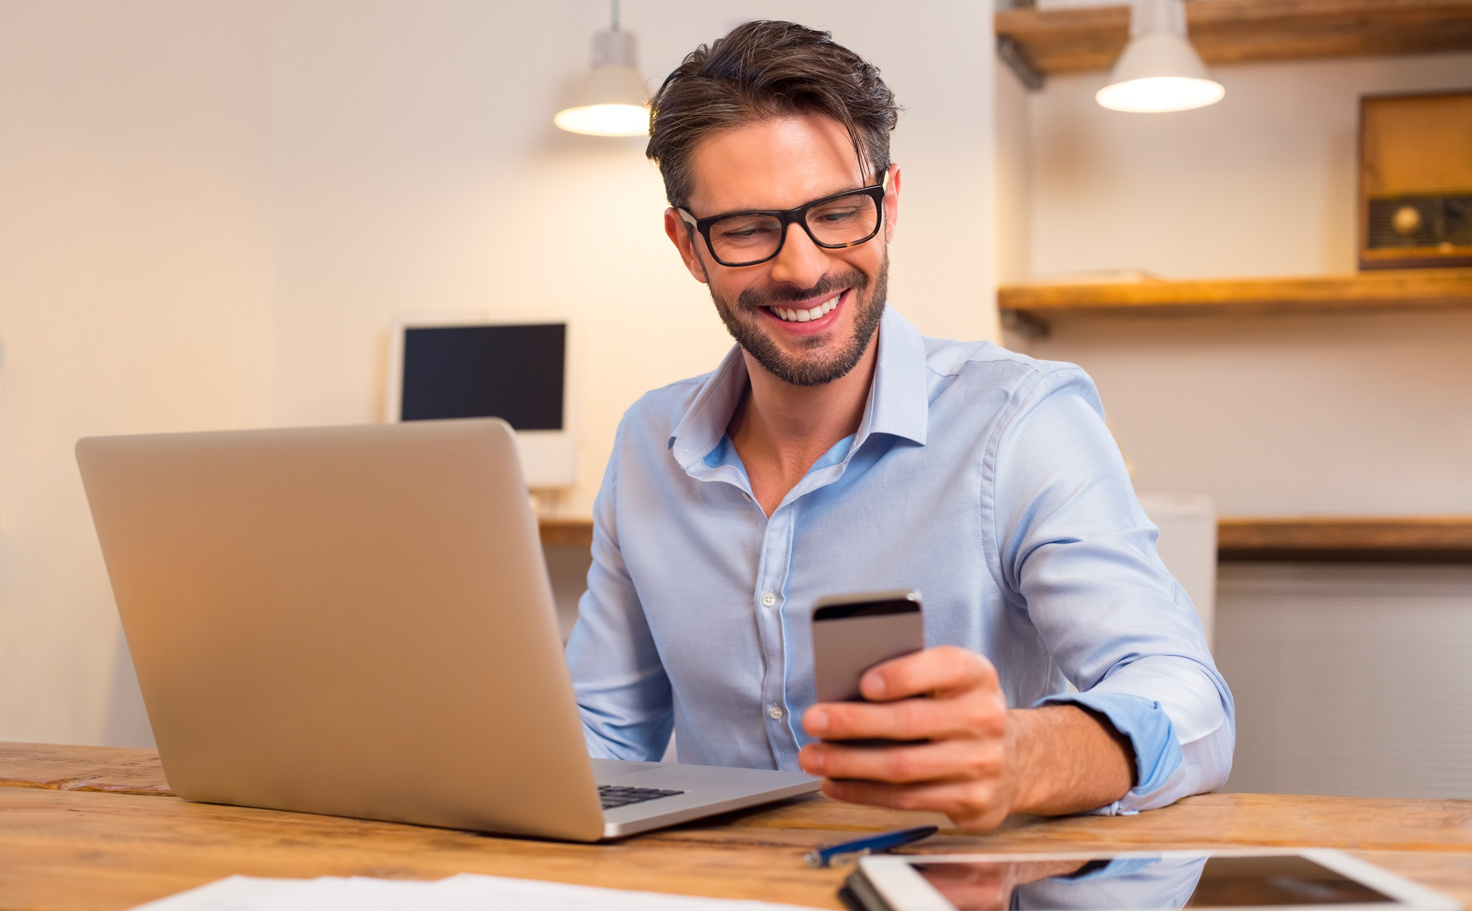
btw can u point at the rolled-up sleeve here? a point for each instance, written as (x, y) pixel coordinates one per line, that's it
(1077, 552)
(622, 690)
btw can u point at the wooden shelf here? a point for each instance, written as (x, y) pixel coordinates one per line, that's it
(1398, 539)
(1440, 539)
(1029, 308)
(566, 532)
(1238, 31)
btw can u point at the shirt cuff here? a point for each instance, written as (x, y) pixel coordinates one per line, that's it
(1145, 723)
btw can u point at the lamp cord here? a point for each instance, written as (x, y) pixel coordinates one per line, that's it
(614, 4)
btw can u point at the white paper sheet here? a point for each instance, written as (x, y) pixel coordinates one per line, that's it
(465, 892)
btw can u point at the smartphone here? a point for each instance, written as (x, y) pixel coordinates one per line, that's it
(852, 633)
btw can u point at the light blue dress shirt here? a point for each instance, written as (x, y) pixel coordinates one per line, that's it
(981, 478)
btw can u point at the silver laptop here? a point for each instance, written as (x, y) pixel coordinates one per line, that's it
(358, 621)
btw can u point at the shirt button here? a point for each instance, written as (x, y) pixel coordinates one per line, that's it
(769, 599)
(775, 712)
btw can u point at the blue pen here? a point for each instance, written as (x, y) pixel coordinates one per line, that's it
(871, 844)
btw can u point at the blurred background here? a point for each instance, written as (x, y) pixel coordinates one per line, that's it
(212, 213)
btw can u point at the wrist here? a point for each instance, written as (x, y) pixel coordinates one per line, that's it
(1064, 759)
(1029, 788)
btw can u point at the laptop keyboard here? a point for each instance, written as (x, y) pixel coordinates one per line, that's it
(614, 796)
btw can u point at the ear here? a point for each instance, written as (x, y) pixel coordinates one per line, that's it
(892, 203)
(682, 235)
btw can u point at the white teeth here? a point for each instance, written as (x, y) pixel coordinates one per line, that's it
(803, 316)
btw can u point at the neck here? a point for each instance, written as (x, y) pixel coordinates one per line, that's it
(780, 429)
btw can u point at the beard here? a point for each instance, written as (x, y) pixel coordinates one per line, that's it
(744, 324)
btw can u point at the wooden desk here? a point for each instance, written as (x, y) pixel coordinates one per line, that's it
(90, 828)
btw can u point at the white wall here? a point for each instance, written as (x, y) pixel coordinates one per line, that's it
(1014, 178)
(210, 213)
(1271, 415)
(135, 283)
(417, 171)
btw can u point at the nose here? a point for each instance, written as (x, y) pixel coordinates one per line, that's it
(800, 262)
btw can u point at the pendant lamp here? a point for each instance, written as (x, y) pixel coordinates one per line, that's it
(1159, 69)
(611, 101)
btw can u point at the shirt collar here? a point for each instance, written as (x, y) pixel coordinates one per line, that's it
(704, 424)
(898, 399)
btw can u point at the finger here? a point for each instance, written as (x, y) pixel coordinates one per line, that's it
(950, 760)
(977, 806)
(943, 669)
(973, 714)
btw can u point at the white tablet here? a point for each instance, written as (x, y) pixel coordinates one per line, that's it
(1122, 881)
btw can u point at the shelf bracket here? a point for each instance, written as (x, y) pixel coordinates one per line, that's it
(1025, 324)
(1016, 59)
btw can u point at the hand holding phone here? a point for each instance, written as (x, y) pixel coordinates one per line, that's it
(852, 633)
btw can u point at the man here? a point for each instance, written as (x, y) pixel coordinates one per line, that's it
(835, 450)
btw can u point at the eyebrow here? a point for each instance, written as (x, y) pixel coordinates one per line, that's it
(752, 211)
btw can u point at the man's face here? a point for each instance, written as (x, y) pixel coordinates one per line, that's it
(781, 164)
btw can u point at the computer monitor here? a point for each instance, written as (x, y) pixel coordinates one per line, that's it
(466, 368)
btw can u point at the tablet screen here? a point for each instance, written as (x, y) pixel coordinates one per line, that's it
(1175, 881)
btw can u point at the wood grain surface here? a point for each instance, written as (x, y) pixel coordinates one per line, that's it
(1067, 41)
(1235, 31)
(89, 850)
(71, 768)
(1390, 289)
(1392, 538)
(80, 850)
(566, 532)
(1280, 820)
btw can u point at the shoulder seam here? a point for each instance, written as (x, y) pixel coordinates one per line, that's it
(990, 448)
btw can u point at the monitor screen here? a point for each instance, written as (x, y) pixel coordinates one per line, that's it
(513, 372)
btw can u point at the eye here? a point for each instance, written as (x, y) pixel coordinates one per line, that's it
(836, 214)
(743, 230)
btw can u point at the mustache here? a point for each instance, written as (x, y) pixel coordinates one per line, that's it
(753, 298)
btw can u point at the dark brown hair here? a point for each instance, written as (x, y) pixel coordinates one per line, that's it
(765, 69)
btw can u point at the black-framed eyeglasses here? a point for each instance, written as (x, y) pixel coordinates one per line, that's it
(747, 238)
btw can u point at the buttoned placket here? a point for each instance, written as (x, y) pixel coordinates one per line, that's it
(774, 612)
(770, 605)
(769, 595)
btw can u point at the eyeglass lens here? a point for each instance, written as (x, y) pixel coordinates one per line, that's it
(836, 222)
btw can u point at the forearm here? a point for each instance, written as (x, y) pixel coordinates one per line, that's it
(1066, 760)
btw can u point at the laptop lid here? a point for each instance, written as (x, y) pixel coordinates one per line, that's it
(346, 620)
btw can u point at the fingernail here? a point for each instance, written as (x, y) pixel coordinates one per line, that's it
(813, 759)
(876, 686)
(816, 721)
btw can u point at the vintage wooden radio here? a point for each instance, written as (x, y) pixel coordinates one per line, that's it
(1416, 180)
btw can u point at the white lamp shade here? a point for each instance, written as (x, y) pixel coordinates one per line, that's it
(1159, 72)
(612, 103)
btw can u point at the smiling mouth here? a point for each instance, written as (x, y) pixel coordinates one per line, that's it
(791, 315)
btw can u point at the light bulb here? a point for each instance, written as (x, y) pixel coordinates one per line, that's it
(605, 120)
(1158, 94)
